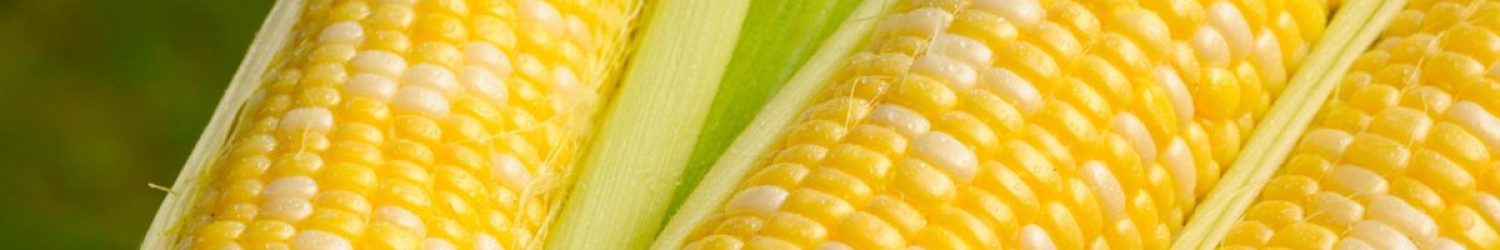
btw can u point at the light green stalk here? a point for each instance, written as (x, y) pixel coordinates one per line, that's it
(632, 165)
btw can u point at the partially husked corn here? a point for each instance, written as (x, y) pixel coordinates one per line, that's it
(1401, 157)
(398, 124)
(1026, 124)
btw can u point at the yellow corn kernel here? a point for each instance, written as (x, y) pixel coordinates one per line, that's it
(718, 242)
(1275, 214)
(268, 230)
(866, 231)
(1304, 236)
(939, 238)
(967, 226)
(740, 226)
(818, 206)
(869, 166)
(785, 175)
(794, 229)
(1293, 188)
(1334, 211)
(1124, 234)
(840, 185)
(1012, 189)
(990, 210)
(922, 184)
(900, 214)
(1249, 233)
(1468, 227)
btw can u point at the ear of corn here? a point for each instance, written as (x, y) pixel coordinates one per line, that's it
(396, 124)
(1017, 124)
(1401, 157)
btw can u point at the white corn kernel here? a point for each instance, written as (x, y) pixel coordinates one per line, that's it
(1130, 127)
(1353, 244)
(1034, 238)
(947, 153)
(1381, 236)
(1396, 213)
(432, 76)
(962, 48)
(379, 62)
(374, 86)
(320, 240)
(1211, 47)
(1015, 89)
(1177, 92)
(346, 32)
(922, 22)
(906, 121)
(486, 242)
(1488, 206)
(566, 84)
(761, 200)
(1473, 117)
(1178, 159)
(400, 217)
(956, 74)
(834, 245)
(509, 171)
(286, 209)
(1267, 59)
(302, 120)
(438, 244)
(1446, 244)
(484, 83)
(486, 55)
(1329, 207)
(1355, 181)
(301, 187)
(1230, 23)
(541, 14)
(1022, 13)
(1106, 188)
(422, 101)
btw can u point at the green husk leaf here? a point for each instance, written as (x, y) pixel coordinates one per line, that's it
(647, 133)
(770, 124)
(777, 37)
(1356, 26)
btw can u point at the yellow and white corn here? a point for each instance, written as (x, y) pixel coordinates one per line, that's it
(1401, 156)
(961, 124)
(404, 124)
(1022, 124)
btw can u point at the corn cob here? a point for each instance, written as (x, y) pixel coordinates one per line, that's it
(398, 124)
(1400, 158)
(1021, 124)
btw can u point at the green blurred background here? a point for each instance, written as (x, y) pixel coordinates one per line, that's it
(100, 97)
